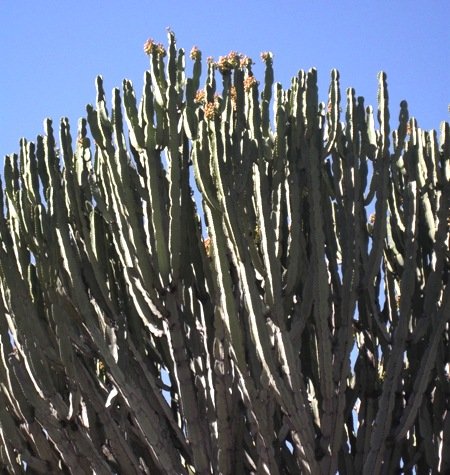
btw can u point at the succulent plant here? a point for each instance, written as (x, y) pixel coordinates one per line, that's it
(260, 330)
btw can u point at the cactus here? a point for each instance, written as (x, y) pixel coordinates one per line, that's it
(274, 329)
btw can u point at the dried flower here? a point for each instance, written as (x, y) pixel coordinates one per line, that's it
(223, 65)
(160, 50)
(231, 61)
(150, 47)
(199, 97)
(210, 110)
(195, 54)
(249, 82)
(234, 58)
(266, 56)
(245, 62)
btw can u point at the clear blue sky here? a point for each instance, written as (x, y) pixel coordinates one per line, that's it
(51, 51)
